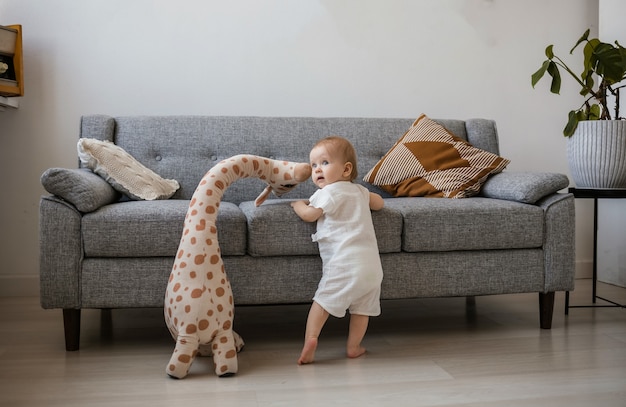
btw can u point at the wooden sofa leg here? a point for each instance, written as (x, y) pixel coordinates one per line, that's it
(546, 308)
(71, 323)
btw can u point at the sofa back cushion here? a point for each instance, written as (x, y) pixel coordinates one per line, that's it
(184, 148)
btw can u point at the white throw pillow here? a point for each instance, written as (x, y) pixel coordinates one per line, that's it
(123, 171)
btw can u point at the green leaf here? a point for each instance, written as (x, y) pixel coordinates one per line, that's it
(589, 83)
(594, 112)
(549, 52)
(622, 52)
(571, 125)
(609, 62)
(588, 64)
(581, 39)
(553, 71)
(539, 74)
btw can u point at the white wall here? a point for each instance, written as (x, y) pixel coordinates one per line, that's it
(612, 213)
(369, 58)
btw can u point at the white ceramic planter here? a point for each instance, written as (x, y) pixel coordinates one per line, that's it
(597, 154)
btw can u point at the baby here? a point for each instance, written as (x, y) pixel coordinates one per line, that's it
(352, 271)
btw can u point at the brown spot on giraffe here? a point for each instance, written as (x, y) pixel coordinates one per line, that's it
(201, 225)
(199, 259)
(203, 324)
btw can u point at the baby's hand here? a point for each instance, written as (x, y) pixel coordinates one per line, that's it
(294, 203)
(305, 212)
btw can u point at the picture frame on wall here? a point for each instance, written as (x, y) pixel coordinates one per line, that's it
(11, 67)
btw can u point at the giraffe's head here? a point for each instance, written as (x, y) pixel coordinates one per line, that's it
(284, 176)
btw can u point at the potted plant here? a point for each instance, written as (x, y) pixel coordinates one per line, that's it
(596, 132)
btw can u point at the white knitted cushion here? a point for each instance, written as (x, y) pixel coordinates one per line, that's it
(123, 171)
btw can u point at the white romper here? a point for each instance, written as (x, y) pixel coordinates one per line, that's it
(352, 271)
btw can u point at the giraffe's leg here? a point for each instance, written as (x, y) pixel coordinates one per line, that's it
(184, 353)
(225, 354)
(205, 350)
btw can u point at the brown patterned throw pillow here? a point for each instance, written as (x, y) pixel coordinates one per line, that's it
(430, 161)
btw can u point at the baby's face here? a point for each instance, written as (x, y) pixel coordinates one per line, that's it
(327, 167)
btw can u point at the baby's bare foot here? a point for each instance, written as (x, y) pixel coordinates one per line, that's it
(355, 352)
(308, 351)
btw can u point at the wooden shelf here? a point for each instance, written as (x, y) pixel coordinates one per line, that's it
(8, 102)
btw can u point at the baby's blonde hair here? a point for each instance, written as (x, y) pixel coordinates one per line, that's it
(343, 147)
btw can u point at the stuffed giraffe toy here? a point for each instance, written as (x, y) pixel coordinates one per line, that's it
(199, 306)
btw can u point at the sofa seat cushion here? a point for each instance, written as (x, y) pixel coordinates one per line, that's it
(274, 229)
(435, 224)
(154, 228)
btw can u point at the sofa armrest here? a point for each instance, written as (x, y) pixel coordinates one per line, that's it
(559, 241)
(60, 253)
(525, 187)
(80, 187)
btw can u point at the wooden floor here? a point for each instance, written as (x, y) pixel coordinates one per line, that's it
(432, 352)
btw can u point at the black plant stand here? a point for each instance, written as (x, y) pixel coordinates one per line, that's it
(595, 194)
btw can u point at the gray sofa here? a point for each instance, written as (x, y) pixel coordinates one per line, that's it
(100, 250)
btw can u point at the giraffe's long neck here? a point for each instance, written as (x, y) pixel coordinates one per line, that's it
(213, 185)
(223, 174)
